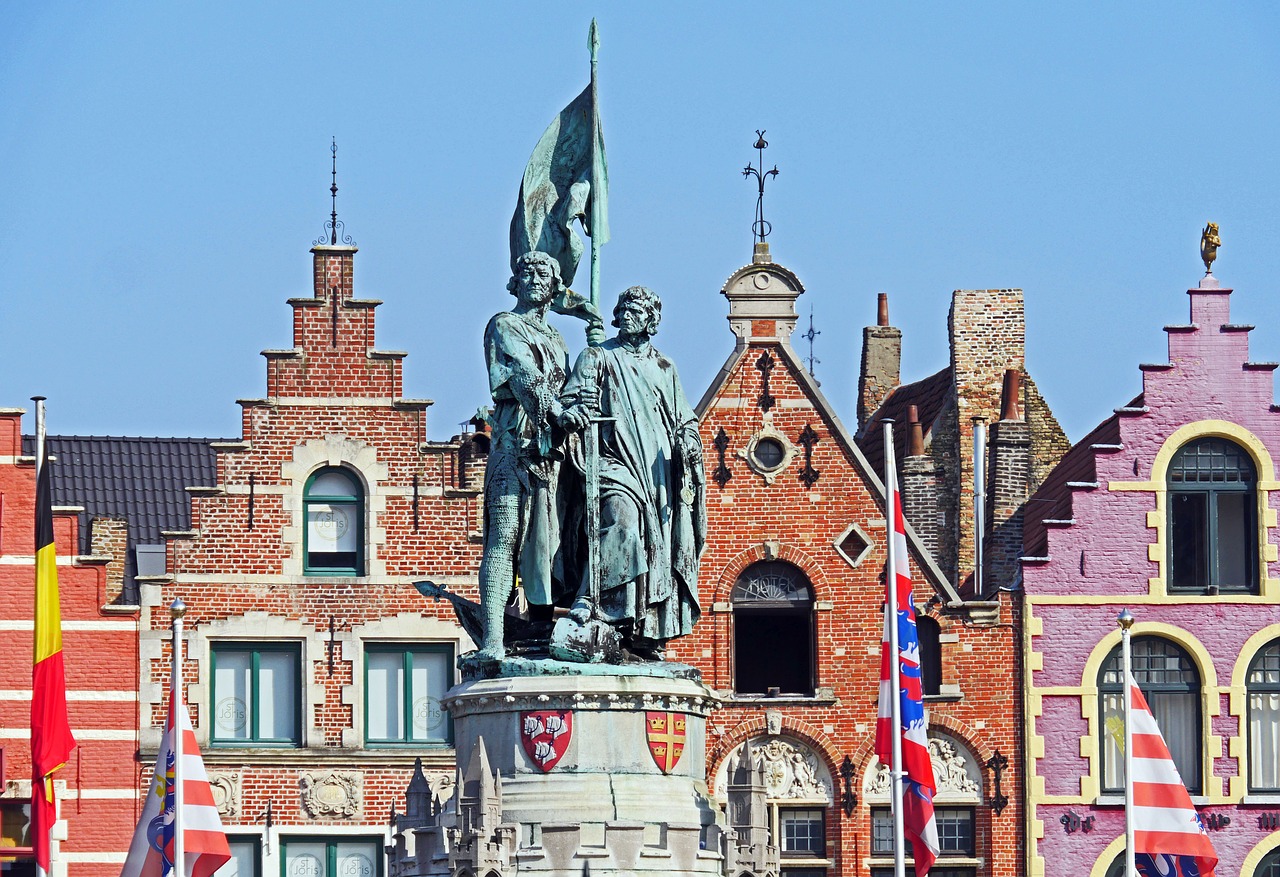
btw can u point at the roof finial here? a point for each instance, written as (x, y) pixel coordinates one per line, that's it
(1209, 243)
(810, 336)
(760, 227)
(333, 228)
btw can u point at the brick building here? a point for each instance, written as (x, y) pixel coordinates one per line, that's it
(314, 668)
(792, 589)
(1168, 508)
(97, 789)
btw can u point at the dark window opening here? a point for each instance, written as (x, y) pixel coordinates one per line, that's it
(773, 638)
(929, 633)
(1212, 518)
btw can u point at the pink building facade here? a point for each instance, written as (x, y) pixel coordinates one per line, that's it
(1168, 508)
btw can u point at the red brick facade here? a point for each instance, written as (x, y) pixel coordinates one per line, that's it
(831, 529)
(96, 799)
(333, 403)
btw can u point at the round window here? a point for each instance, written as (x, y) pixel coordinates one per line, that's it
(768, 453)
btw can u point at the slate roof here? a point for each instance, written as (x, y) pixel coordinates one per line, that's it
(930, 395)
(142, 480)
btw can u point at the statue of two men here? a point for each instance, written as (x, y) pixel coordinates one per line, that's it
(651, 504)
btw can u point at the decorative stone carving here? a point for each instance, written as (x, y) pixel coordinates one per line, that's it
(953, 772)
(331, 794)
(773, 722)
(792, 770)
(226, 793)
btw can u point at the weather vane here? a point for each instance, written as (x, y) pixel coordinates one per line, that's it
(810, 336)
(760, 227)
(333, 227)
(1209, 243)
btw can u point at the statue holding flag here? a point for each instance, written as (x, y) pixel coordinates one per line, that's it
(528, 362)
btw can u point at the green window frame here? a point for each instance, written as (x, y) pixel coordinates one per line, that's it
(1170, 683)
(246, 856)
(1213, 531)
(404, 683)
(256, 694)
(1270, 866)
(333, 523)
(332, 856)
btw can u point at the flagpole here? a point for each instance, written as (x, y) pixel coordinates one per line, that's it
(895, 669)
(593, 42)
(176, 610)
(1125, 620)
(39, 400)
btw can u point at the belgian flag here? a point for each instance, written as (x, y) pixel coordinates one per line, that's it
(51, 740)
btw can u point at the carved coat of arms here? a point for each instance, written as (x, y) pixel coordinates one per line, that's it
(666, 735)
(545, 735)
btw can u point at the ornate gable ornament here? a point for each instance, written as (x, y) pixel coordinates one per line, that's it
(954, 771)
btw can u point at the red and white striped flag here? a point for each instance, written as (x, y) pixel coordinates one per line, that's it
(1168, 838)
(205, 845)
(918, 783)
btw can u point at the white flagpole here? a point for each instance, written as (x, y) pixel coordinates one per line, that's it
(176, 610)
(895, 668)
(1125, 621)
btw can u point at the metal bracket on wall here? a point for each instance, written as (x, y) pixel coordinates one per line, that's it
(808, 438)
(848, 800)
(721, 444)
(765, 365)
(997, 764)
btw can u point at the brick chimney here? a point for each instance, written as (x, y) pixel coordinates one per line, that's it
(920, 485)
(881, 362)
(1010, 485)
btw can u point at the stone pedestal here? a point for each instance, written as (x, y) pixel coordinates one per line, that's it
(572, 774)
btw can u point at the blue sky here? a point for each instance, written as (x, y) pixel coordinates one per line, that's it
(164, 169)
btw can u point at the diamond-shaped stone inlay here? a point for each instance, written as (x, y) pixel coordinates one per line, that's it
(853, 544)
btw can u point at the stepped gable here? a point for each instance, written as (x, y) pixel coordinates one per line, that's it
(930, 396)
(1208, 376)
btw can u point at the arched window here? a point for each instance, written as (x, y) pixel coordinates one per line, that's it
(1117, 867)
(1213, 538)
(930, 636)
(333, 506)
(1171, 685)
(1270, 866)
(773, 649)
(1264, 721)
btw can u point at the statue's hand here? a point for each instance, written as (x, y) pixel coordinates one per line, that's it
(595, 332)
(693, 449)
(574, 419)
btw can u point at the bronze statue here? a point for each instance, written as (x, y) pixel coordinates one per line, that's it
(1209, 243)
(528, 363)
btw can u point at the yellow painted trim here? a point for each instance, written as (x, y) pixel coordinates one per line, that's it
(1239, 702)
(1157, 551)
(1210, 702)
(1155, 599)
(1109, 854)
(1259, 852)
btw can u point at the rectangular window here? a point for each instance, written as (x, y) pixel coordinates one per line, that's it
(1189, 538)
(256, 694)
(403, 687)
(335, 857)
(955, 832)
(1177, 714)
(246, 858)
(803, 832)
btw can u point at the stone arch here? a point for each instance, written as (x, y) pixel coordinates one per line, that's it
(354, 456)
(770, 550)
(757, 727)
(794, 770)
(1260, 851)
(1210, 700)
(1239, 703)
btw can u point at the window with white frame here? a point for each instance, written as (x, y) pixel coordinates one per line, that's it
(1264, 720)
(404, 683)
(257, 698)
